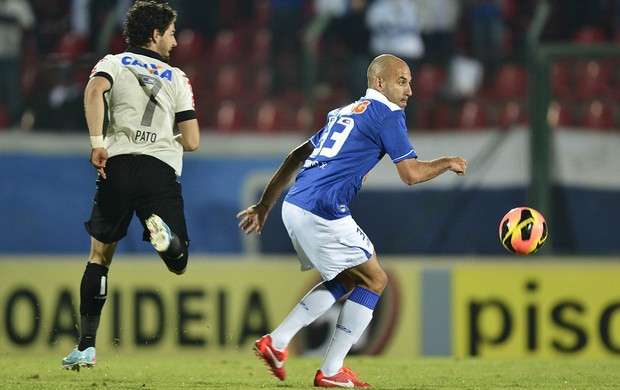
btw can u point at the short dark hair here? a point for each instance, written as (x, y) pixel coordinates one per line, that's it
(142, 18)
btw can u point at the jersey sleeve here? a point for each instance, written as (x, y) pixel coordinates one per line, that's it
(185, 97)
(394, 137)
(315, 140)
(106, 66)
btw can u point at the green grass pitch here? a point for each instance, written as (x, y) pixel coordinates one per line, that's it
(194, 370)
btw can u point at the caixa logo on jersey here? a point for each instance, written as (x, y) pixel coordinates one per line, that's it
(154, 69)
(314, 339)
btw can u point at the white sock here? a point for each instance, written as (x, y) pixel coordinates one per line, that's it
(352, 321)
(311, 307)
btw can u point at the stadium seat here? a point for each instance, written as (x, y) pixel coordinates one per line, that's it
(190, 48)
(422, 117)
(430, 114)
(116, 44)
(319, 115)
(511, 113)
(593, 80)
(259, 84)
(230, 118)
(309, 120)
(589, 34)
(270, 117)
(5, 119)
(260, 47)
(262, 13)
(597, 115)
(227, 47)
(229, 82)
(205, 113)
(338, 96)
(510, 81)
(303, 121)
(472, 115)
(443, 117)
(71, 46)
(81, 70)
(295, 97)
(427, 81)
(561, 81)
(508, 42)
(510, 10)
(197, 78)
(560, 114)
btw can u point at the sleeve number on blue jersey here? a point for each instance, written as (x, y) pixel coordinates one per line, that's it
(338, 131)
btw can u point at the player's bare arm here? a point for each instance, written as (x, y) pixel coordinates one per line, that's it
(413, 171)
(94, 110)
(254, 217)
(189, 136)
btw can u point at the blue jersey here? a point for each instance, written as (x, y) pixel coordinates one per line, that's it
(353, 141)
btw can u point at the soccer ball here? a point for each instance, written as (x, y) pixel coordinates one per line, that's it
(523, 231)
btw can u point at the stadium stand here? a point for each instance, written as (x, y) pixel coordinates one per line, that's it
(593, 80)
(511, 113)
(191, 48)
(561, 78)
(510, 81)
(472, 115)
(230, 118)
(229, 66)
(560, 114)
(427, 81)
(270, 118)
(597, 115)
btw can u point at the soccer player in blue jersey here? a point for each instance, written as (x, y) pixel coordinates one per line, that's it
(330, 169)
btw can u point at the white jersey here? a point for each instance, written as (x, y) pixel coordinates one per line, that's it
(147, 98)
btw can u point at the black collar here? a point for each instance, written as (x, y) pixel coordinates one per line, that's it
(146, 52)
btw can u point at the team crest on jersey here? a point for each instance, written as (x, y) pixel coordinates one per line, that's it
(153, 69)
(148, 80)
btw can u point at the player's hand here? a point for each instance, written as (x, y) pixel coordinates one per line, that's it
(458, 165)
(254, 218)
(98, 157)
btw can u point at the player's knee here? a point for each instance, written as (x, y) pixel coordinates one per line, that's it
(176, 265)
(177, 272)
(98, 259)
(378, 281)
(177, 269)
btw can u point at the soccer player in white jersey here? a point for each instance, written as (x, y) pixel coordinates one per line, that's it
(330, 169)
(138, 157)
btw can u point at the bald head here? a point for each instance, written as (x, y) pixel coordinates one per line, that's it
(390, 76)
(381, 66)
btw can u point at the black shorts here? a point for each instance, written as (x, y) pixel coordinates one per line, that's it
(141, 184)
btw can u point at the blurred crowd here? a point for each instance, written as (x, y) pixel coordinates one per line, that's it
(279, 65)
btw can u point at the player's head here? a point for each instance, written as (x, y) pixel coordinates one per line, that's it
(391, 76)
(150, 24)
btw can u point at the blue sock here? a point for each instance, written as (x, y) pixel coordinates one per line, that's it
(364, 297)
(335, 287)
